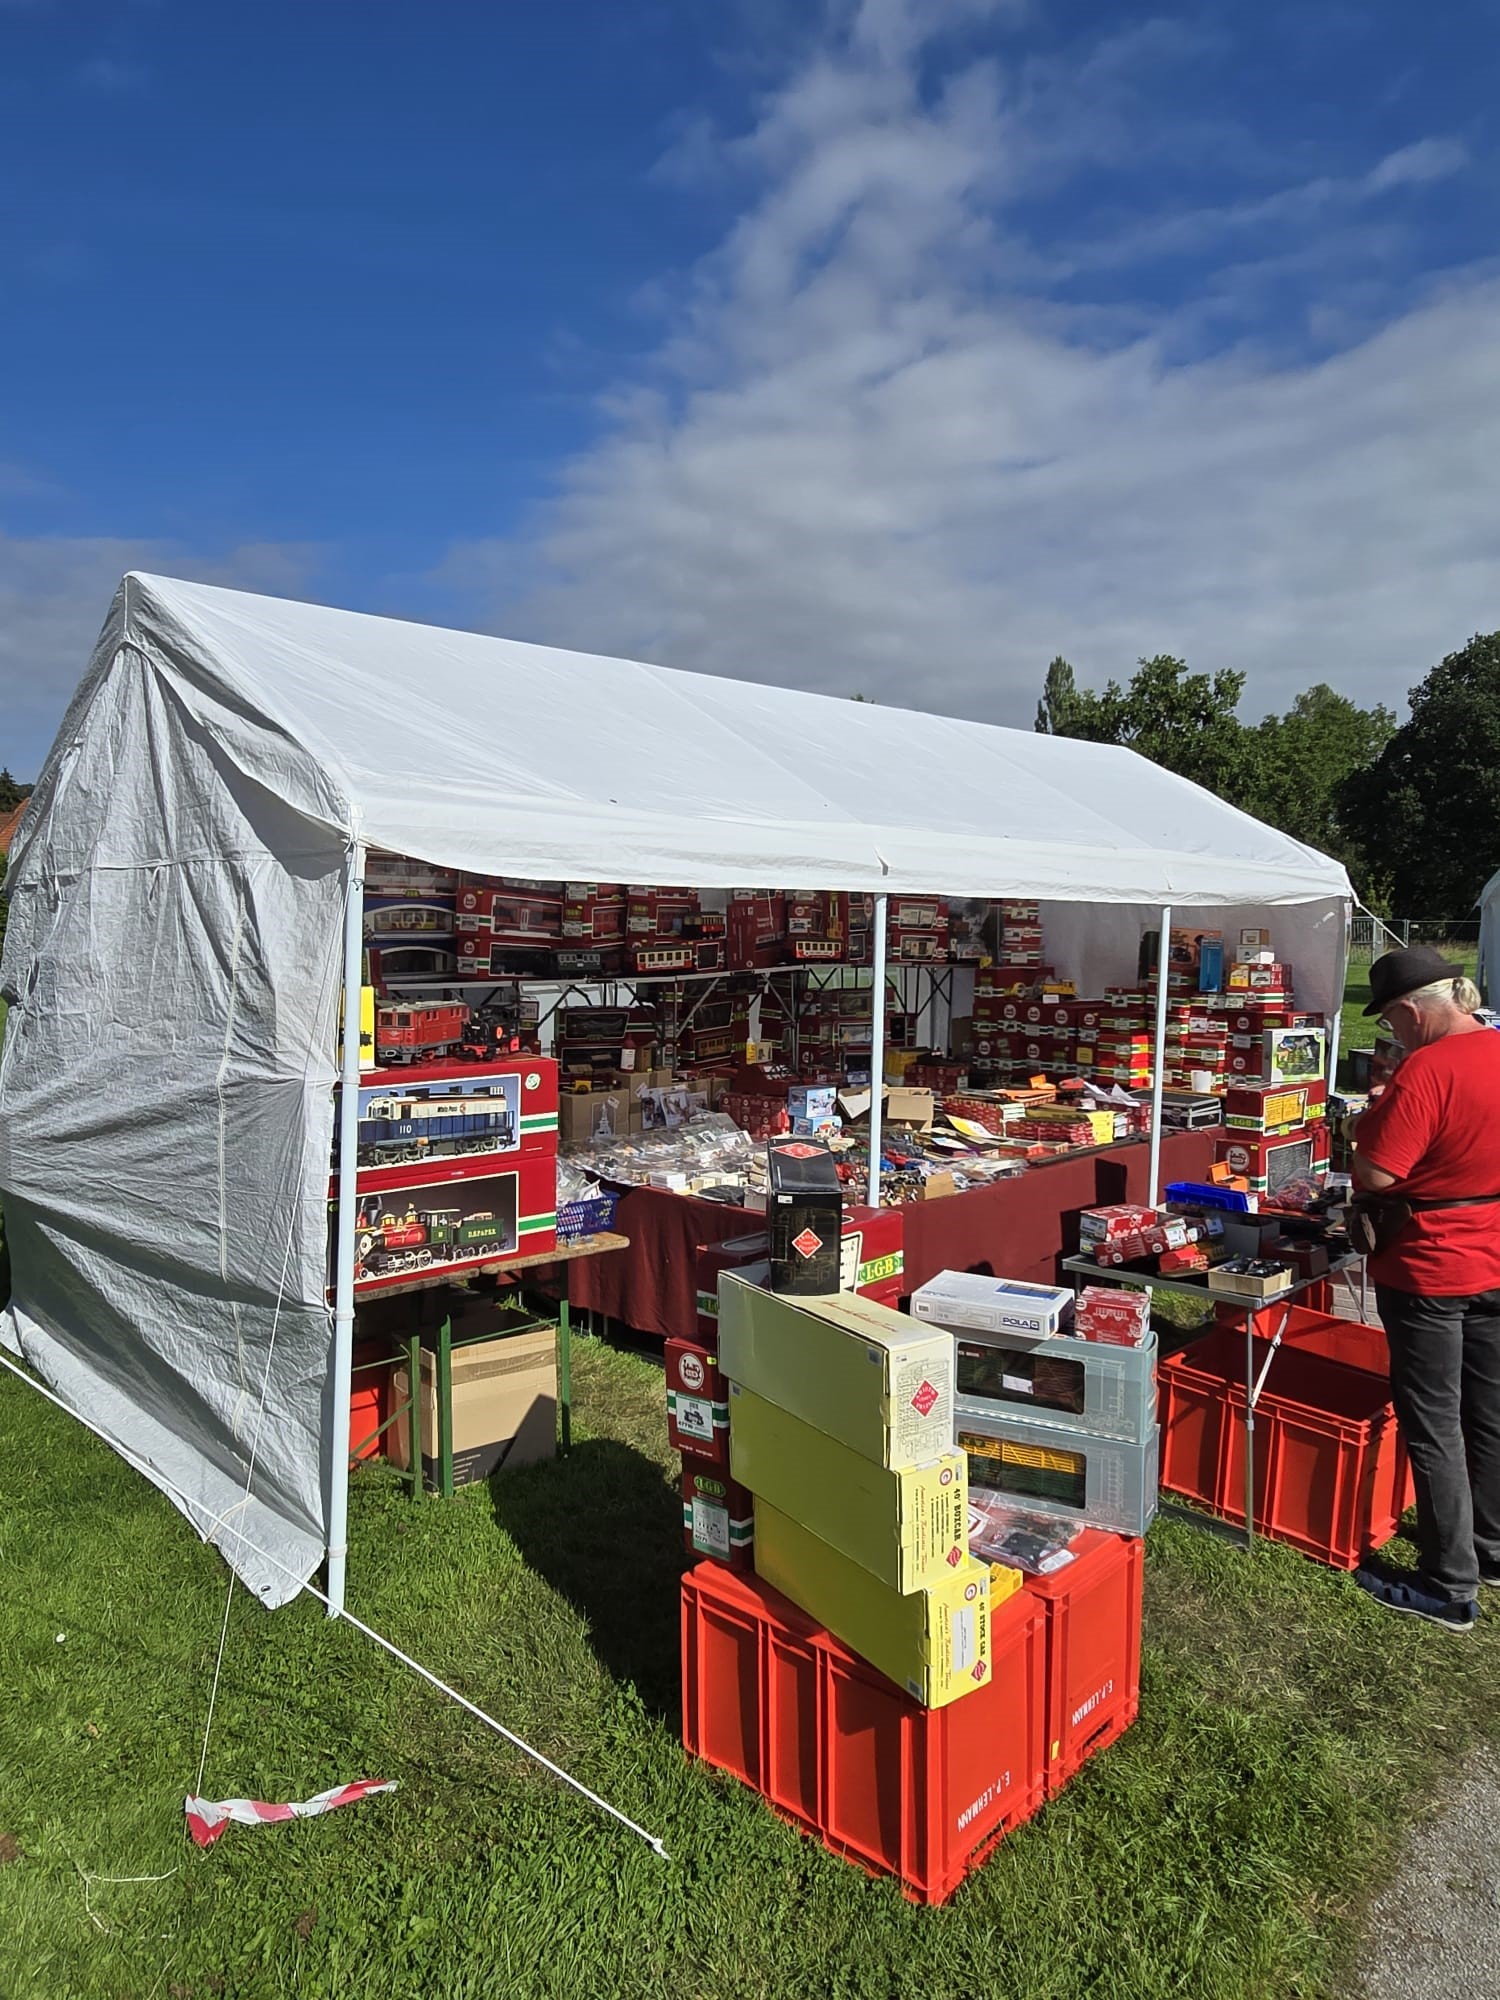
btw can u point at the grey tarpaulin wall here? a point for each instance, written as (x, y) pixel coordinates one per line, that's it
(173, 958)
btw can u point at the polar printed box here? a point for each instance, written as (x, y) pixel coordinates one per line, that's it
(992, 1305)
(863, 1374)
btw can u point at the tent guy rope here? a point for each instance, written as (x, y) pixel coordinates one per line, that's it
(193, 1508)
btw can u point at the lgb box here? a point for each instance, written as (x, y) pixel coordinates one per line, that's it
(429, 1227)
(697, 1403)
(718, 1517)
(454, 1112)
(1270, 1163)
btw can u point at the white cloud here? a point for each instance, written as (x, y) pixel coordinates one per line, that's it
(54, 593)
(874, 453)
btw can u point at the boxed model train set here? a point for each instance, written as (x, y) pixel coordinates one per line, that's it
(913, 1513)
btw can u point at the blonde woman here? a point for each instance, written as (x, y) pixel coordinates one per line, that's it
(1431, 1142)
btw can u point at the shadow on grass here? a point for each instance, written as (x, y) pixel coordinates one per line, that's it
(614, 1551)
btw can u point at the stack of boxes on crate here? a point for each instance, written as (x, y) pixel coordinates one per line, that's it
(914, 1666)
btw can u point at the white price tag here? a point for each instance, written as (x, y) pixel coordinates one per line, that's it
(965, 1638)
(711, 1528)
(695, 1417)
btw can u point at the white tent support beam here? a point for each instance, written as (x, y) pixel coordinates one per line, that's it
(343, 1290)
(1159, 1054)
(877, 1050)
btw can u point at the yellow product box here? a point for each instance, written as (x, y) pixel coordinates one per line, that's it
(853, 1369)
(909, 1528)
(933, 1642)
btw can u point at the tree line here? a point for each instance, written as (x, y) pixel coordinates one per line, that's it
(1412, 810)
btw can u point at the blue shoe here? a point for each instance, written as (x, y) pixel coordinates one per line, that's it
(1418, 1603)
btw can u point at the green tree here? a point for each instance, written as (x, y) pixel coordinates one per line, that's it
(1429, 805)
(11, 791)
(1303, 762)
(1183, 721)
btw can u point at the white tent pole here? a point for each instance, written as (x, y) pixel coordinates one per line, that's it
(1159, 1055)
(343, 1289)
(877, 1051)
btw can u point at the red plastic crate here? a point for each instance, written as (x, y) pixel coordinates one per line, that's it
(1331, 1472)
(924, 1794)
(1093, 1608)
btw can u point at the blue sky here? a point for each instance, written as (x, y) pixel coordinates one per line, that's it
(889, 344)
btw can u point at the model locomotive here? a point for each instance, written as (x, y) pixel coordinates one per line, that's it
(387, 1245)
(427, 1030)
(395, 1130)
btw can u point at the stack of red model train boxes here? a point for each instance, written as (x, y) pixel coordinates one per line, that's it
(457, 1168)
(593, 915)
(409, 919)
(1019, 933)
(817, 927)
(1277, 1133)
(757, 928)
(917, 930)
(498, 918)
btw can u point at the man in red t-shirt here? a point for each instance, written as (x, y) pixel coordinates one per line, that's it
(1433, 1139)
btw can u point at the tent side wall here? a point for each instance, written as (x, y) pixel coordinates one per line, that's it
(172, 968)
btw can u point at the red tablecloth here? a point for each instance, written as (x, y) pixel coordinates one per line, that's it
(652, 1286)
(1015, 1229)
(1019, 1228)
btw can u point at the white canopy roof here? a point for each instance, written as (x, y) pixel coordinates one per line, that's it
(173, 956)
(526, 760)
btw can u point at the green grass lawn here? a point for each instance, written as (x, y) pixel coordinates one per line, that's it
(1287, 1730)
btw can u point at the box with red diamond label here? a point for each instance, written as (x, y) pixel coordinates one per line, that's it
(855, 1370)
(909, 1528)
(804, 1216)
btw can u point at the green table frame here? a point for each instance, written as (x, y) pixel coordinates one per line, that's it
(434, 1321)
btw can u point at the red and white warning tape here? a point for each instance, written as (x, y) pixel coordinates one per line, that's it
(208, 1818)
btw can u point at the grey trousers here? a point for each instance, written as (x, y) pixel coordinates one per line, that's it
(1445, 1381)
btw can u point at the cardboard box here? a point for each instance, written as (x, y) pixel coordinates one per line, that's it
(504, 1407)
(933, 1642)
(870, 1377)
(995, 1305)
(900, 1105)
(584, 1115)
(909, 1528)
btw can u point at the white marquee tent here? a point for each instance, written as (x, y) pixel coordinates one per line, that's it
(184, 908)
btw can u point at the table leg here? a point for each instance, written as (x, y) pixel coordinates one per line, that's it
(565, 1367)
(1250, 1430)
(413, 1345)
(445, 1405)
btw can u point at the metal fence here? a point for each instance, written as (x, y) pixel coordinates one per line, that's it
(1370, 936)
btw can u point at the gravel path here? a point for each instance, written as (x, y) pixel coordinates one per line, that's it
(1435, 1932)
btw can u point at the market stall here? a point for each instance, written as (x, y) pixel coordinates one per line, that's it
(187, 905)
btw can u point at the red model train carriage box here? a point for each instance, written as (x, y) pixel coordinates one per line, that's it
(457, 1117)
(697, 1403)
(431, 1226)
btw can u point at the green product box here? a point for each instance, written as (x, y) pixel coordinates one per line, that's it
(853, 1369)
(909, 1528)
(934, 1642)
